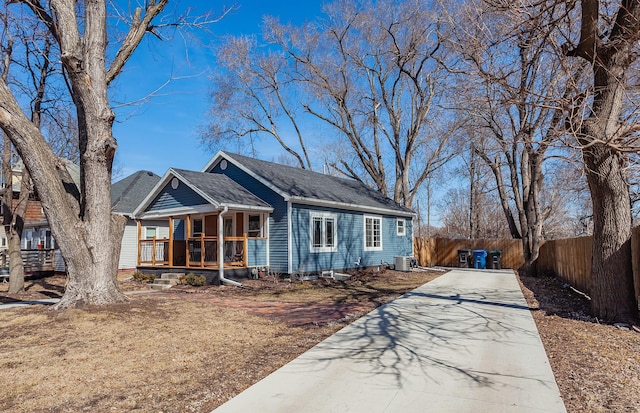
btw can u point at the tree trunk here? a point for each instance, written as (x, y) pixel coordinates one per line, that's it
(13, 219)
(14, 236)
(102, 287)
(612, 297)
(611, 56)
(16, 265)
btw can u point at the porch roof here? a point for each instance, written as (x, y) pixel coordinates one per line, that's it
(217, 190)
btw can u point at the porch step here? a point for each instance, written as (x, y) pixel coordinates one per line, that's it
(154, 286)
(166, 280)
(171, 275)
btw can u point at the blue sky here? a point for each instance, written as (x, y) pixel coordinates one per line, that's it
(163, 132)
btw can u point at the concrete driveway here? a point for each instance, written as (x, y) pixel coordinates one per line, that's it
(463, 342)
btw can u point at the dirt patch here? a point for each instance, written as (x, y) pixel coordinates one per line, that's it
(190, 349)
(595, 365)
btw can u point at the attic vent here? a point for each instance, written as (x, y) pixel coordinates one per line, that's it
(175, 183)
(223, 164)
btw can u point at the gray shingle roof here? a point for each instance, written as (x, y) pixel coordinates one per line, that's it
(313, 186)
(129, 192)
(221, 188)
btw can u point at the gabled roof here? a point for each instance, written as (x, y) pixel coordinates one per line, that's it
(304, 186)
(220, 189)
(217, 189)
(129, 192)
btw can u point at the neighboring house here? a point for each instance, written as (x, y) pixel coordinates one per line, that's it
(290, 220)
(126, 195)
(36, 233)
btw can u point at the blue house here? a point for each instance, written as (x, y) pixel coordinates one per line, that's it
(241, 213)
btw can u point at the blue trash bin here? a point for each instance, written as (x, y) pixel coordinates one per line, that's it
(480, 259)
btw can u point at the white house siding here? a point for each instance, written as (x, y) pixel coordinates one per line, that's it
(129, 248)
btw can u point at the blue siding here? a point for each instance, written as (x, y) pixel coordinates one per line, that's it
(257, 254)
(179, 229)
(278, 225)
(350, 239)
(175, 198)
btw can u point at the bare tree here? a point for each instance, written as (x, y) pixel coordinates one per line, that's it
(49, 109)
(602, 120)
(87, 233)
(455, 214)
(516, 89)
(605, 123)
(14, 211)
(370, 72)
(253, 96)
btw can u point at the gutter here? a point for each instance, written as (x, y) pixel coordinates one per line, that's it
(221, 249)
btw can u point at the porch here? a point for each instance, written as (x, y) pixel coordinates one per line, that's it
(35, 261)
(203, 242)
(201, 252)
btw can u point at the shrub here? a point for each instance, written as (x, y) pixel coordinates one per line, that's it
(140, 276)
(193, 280)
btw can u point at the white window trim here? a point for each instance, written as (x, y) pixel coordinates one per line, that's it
(324, 216)
(403, 226)
(246, 224)
(150, 226)
(364, 232)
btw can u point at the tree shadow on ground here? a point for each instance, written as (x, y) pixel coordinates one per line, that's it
(434, 334)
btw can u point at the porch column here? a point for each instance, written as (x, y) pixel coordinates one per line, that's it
(187, 238)
(170, 241)
(153, 252)
(202, 249)
(246, 251)
(139, 224)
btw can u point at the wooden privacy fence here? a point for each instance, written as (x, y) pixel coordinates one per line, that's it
(444, 251)
(570, 259)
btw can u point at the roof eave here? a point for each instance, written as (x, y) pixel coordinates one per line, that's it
(247, 207)
(352, 207)
(179, 211)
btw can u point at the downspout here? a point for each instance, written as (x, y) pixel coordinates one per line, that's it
(221, 249)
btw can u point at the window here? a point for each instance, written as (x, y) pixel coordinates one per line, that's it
(372, 233)
(3, 242)
(196, 229)
(150, 232)
(401, 230)
(28, 242)
(254, 226)
(323, 232)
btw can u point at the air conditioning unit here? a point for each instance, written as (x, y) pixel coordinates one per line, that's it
(402, 263)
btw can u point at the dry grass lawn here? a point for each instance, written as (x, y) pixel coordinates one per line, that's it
(595, 365)
(191, 349)
(188, 350)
